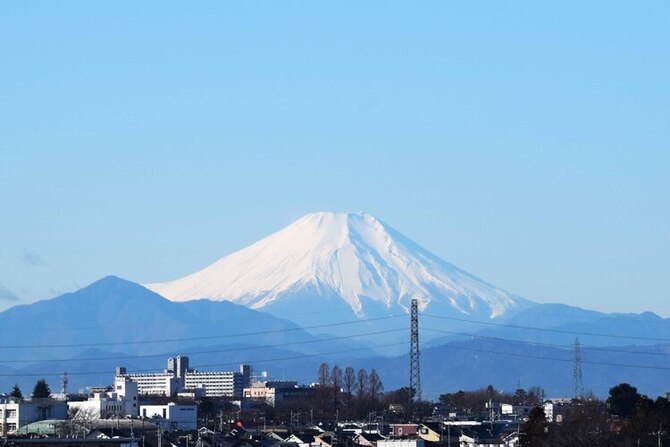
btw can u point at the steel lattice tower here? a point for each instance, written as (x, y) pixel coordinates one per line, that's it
(577, 371)
(414, 369)
(64, 381)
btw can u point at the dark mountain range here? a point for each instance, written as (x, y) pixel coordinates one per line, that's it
(115, 314)
(114, 322)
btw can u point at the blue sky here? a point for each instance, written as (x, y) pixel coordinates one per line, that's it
(526, 142)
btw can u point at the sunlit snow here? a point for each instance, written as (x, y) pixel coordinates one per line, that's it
(353, 255)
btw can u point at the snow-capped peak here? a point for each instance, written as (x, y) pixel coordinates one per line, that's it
(351, 255)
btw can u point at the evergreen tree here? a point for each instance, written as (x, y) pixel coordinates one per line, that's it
(16, 392)
(41, 390)
(623, 400)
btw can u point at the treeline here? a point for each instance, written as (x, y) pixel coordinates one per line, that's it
(626, 418)
(473, 402)
(345, 393)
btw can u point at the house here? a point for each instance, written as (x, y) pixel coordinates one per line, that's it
(430, 432)
(326, 439)
(367, 439)
(75, 442)
(300, 439)
(403, 430)
(489, 434)
(349, 428)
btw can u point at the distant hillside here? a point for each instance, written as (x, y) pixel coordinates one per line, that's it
(471, 364)
(113, 314)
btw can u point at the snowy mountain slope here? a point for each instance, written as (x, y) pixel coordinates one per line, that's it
(349, 257)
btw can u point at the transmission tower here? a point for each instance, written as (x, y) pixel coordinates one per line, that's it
(414, 370)
(578, 386)
(63, 383)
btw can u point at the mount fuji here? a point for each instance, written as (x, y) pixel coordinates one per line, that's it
(328, 264)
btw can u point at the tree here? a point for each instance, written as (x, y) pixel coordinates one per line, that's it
(376, 386)
(324, 375)
(41, 390)
(520, 396)
(361, 383)
(16, 392)
(349, 379)
(336, 383)
(336, 378)
(623, 400)
(534, 428)
(536, 395)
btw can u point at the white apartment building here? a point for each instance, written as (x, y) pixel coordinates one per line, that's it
(122, 401)
(14, 414)
(159, 384)
(178, 377)
(215, 384)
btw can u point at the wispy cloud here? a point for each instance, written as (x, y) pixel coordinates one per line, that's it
(31, 258)
(8, 295)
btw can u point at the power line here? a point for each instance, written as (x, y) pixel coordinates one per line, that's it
(557, 359)
(209, 351)
(559, 331)
(207, 337)
(213, 365)
(601, 316)
(551, 345)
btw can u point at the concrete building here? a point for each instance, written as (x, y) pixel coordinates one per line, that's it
(178, 366)
(179, 377)
(122, 401)
(276, 391)
(172, 416)
(215, 384)
(14, 414)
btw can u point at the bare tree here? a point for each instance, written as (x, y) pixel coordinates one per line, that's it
(336, 378)
(361, 383)
(376, 386)
(324, 375)
(349, 379)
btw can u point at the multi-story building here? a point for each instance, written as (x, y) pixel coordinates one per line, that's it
(275, 391)
(16, 413)
(215, 384)
(122, 401)
(178, 377)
